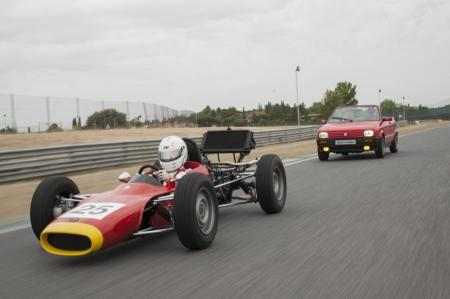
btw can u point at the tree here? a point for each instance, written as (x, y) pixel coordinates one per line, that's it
(388, 107)
(74, 123)
(79, 122)
(343, 95)
(107, 118)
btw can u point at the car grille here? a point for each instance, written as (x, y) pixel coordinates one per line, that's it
(341, 134)
(69, 242)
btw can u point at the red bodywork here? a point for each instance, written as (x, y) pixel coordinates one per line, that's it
(121, 224)
(386, 129)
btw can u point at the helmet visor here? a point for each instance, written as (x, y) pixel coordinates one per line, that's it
(170, 155)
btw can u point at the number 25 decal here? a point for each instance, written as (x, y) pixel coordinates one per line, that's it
(94, 210)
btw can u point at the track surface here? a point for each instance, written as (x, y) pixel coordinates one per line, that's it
(353, 227)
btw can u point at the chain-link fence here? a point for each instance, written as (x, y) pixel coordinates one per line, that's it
(413, 113)
(23, 113)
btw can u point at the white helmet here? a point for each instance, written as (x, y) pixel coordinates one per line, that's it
(172, 153)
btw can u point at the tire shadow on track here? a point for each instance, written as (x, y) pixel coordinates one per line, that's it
(142, 246)
(364, 157)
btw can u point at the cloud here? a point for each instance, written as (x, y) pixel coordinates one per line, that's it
(192, 53)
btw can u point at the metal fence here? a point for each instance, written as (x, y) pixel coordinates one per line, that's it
(18, 165)
(35, 114)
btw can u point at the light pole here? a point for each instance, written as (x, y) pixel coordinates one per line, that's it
(297, 70)
(404, 111)
(379, 96)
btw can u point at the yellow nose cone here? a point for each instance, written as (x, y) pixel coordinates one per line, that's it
(71, 239)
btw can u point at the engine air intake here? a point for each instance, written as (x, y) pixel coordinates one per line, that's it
(69, 241)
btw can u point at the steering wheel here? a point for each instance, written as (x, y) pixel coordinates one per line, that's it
(143, 167)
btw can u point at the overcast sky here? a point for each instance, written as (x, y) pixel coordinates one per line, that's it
(187, 54)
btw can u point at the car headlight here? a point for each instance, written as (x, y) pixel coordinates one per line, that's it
(323, 135)
(368, 133)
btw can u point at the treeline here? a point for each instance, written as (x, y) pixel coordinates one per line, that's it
(280, 114)
(400, 111)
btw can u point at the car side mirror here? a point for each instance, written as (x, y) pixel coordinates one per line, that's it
(124, 177)
(323, 121)
(387, 118)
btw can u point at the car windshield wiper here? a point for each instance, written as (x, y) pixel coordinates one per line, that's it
(342, 118)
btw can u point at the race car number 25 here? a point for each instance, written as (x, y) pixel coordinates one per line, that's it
(93, 210)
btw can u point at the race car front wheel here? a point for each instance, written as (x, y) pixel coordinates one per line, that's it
(196, 211)
(46, 205)
(271, 184)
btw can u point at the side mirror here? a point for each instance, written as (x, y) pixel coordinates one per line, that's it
(387, 118)
(323, 121)
(124, 177)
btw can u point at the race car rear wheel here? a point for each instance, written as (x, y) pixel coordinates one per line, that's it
(196, 211)
(46, 205)
(271, 184)
(379, 151)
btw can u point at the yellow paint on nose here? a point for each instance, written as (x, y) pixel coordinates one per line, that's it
(67, 229)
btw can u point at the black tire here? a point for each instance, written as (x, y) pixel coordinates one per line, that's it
(379, 151)
(323, 156)
(193, 192)
(271, 184)
(394, 144)
(44, 200)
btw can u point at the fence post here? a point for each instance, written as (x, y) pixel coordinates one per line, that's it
(144, 106)
(13, 111)
(47, 105)
(78, 107)
(155, 113)
(128, 110)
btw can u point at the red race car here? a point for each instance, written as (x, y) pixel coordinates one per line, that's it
(71, 224)
(357, 129)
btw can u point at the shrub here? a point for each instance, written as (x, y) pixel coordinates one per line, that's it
(107, 118)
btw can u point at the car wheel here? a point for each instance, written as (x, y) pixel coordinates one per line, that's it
(46, 205)
(271, 184)
(394, 145)
(379, 151)
(323, 156)
(196, 211)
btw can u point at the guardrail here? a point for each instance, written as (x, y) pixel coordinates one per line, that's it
(18, 165)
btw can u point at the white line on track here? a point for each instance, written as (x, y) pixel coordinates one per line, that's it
(287, 163)
(13, 228)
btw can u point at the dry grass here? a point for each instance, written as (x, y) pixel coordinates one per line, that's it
(15, 197)
(20, 141)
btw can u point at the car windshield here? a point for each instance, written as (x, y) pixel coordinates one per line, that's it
(355, 113)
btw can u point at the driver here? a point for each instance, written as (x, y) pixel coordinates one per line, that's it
(172, 154)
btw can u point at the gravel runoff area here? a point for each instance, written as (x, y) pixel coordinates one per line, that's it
(15, 197)
(23, 140)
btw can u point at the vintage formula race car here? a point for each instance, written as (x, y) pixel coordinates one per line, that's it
(68, 223)
(357, 129)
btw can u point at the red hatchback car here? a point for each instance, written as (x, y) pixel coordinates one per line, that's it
(357, 129)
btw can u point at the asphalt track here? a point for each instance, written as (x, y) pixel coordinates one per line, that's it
(353, 227)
